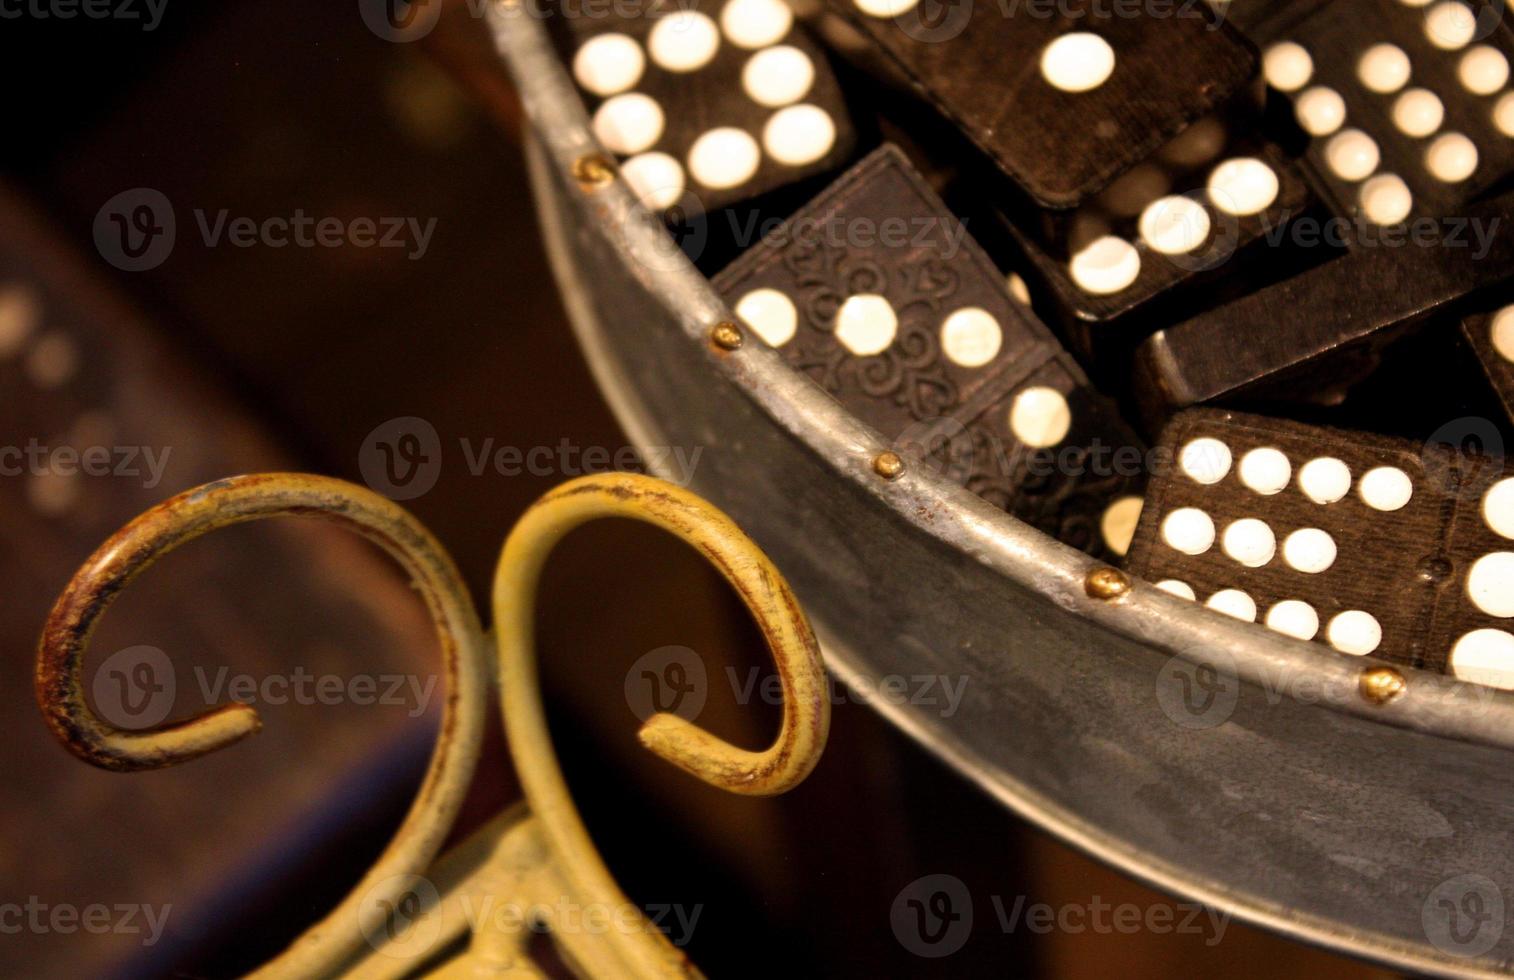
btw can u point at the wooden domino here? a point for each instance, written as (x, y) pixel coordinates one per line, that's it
(1365, 544)
(877, 292)
(1408, 104)
(1062, 98)
(707, 108)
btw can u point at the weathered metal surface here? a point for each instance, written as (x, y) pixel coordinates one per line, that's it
(1311, 804)
(544, 855)
(60, 678)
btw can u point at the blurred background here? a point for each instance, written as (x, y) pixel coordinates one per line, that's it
(130, 371)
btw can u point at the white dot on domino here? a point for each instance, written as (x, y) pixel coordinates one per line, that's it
(724, 157)
(628, 123)
(1355, 632)
(1249, 541)
(971, 336)
(1040, 418)
(1265, 470)
(1418, 112)
(1501, 333)
(799, 134)
(1295, 618)
(1386, 199)
(1484, 656)
(1287, 66)
(1234, 602)
(1325, 480)
(1174, 225)
(755, 24)
(1105, 266)
(770, 313)
(866, 324)
(1188, 530)
(1386, 488)
(1320, 110)
(1451, 25)
(1118, 525)
(778, 76)
(683, 42)
(656, 178)
(1243, 186)
(1483, 70)
(1205, 460)
(608, 63)
(1490, 584)
(1352, 155)
(1178, 588)
(1384, 68)
(1452, 158)
(1077, 62)
(1309, 550)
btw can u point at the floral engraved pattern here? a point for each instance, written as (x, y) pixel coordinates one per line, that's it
(911, 372)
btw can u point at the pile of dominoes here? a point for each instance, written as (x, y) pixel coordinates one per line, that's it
(1220, 290)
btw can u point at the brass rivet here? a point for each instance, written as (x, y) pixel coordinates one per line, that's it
(593, 170)
(726, 335)
(888, 465)
(1106, 583)
(1382, 684)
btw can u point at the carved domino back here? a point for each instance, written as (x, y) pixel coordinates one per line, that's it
(876, 291)
(1365, 544)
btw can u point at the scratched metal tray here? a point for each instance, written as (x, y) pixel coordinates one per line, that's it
(1325, 797)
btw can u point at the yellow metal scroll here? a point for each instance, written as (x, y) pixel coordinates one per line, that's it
(532, 856)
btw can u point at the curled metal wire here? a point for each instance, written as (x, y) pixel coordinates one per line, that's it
(637, 950)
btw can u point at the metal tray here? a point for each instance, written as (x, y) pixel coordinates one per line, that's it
(1330, 798)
